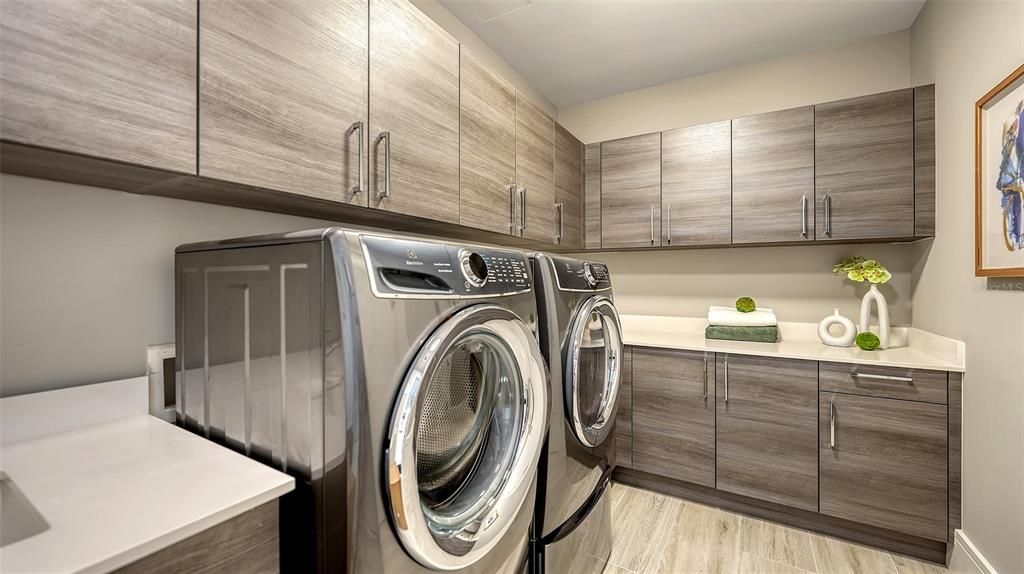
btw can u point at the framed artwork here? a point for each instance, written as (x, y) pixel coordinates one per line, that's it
(999, 179)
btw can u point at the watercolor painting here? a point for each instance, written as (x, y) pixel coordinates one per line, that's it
(999, 194)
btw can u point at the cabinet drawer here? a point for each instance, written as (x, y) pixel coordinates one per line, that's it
(887, 382)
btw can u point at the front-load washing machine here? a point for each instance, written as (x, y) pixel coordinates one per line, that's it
(581, 338)
(398, 380)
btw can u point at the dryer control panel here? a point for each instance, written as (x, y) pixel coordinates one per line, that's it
(576, 275)
(429, 269)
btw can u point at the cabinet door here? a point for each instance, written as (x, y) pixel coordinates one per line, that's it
(696, 185)
(487, 146)
(674, 414)
(568, 188)
(592, 196)
(535, 171)
(282, 87)
(414, 99)
(624, 416)
(102, 78)
(883, 463)
(864, 167)
(631, 192)
(768, 429)
(773, 177)
(924, 161)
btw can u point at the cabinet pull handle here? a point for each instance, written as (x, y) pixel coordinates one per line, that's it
(561, 222)
(727, 379)
(652, 225)
(360, 185)
(883, 377)
(522, 227)
(828, 214)
(512, 228)
(803, 215)
(831, 424)
(705, 377)
(386, 138)
(669, 236)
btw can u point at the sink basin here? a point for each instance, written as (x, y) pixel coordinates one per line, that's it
(18, 518)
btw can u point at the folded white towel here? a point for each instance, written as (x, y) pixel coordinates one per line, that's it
(730, 317)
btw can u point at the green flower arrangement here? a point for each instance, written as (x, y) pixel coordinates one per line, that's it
(745, 305)
(860, 270)
(867, 341)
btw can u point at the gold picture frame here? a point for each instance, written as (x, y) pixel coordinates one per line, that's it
(992, 192)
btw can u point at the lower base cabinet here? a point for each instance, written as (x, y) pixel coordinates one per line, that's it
(624, 416)
(883, 463)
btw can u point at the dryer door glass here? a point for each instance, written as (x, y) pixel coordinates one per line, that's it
(466, 435)
(592, 370)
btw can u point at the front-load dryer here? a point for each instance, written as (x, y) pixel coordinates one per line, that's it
(398, 380)
(581, 337)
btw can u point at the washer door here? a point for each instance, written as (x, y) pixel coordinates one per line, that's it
(592, 370)
(466, 435)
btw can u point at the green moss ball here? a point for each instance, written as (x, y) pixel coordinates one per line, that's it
(867, 341)
(745, 305)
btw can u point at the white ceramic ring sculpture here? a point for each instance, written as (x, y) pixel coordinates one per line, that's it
(844, 339)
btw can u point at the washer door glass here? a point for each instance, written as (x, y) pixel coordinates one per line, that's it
(465, 438)
(592, 370)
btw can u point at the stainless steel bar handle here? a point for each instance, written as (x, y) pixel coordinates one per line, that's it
(705, 377)
(386, 138)
(522, 227)
(831, 424)
(803, 215)
(561, 221)
(359, 127)
(512, 207)
(652, 225)
(828, 214)
(884, 377)
(669, 233)
(727, 379)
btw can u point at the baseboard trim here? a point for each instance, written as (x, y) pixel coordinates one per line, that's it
(966, 558)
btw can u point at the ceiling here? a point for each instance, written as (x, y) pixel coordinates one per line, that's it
(574, 51)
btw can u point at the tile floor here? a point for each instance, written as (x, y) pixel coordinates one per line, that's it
(657, 534)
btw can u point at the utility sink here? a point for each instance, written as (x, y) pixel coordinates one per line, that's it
(18, 518)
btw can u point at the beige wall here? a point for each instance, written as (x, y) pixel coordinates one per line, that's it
(483, 52)
(867, 66)
(965, 48)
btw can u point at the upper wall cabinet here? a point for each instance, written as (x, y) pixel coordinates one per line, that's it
(592, 196)
(773, 177)
(108, 79)
(568, 189)
(864, 167)
(631, 192)
(696, 185)
(414, 113)
(924, 161)
(487, 148)
(535, 171)
(282, 96)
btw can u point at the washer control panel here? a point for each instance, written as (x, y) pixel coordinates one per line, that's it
(403, 267)
(576, 275)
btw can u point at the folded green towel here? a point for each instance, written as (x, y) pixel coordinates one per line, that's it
(753, 334)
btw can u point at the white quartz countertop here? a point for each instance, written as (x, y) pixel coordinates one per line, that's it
(115, 491)
(909, 348)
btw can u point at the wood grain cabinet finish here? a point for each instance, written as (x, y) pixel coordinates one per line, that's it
(592, 196)
(696, 185)
(487, 145)
(864, 167)
(883, 463)
(102, 78)
(535, 171)
(414, 97)
(624, 416)
(674, 414)
(631, 192)
(767, 422)
(773, 177)
(281, 86)
(568, 188)
(924, 161)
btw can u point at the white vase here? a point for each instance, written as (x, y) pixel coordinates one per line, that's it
(844, 339)
(875, 296)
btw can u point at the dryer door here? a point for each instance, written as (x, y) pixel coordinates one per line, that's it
(466, 435)
(592, 370)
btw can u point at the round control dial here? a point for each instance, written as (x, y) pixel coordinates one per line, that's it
(588, 275)
(474, 268)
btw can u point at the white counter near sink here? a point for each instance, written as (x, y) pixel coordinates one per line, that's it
(114, 484)
(910, 348)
